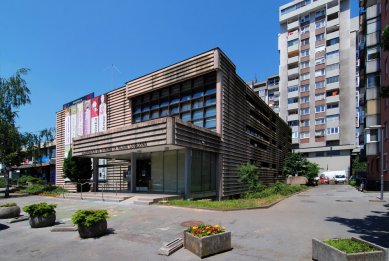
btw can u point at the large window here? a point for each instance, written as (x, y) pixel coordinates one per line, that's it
(293, 42)
(193, 100)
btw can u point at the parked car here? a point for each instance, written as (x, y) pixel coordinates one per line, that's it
(340, 179)
(324, 179)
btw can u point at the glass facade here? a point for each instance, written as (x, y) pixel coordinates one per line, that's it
(193, 101)
(203, 171)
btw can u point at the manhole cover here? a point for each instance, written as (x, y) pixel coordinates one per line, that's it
(191, 223)
(340, 200)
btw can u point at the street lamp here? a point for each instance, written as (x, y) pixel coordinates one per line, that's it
(380, 127)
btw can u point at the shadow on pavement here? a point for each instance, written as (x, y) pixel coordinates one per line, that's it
(3, 227)
(374, 229)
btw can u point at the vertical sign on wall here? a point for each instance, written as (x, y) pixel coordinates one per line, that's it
(80, 119)
(87, 112)
(73, 123)
(67, 131)
(95, 102)
(102, 127)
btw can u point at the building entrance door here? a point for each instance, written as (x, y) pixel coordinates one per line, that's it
(143, 175)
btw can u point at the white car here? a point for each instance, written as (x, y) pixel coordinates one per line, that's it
(340, 179)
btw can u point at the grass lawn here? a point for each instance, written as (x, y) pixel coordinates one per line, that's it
(241, 203)
(350, 246)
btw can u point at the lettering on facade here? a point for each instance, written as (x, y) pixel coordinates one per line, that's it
(116, 148)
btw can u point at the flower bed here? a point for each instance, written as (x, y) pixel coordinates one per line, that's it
(205, 230)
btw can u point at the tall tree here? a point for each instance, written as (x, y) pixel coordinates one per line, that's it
(14, 93)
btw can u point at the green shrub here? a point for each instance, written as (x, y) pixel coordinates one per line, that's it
(350, 246)
(40, 209)
(8, 205)
(88, 218)
(278, 188)
(248, 175)
(353, 183)
(30, 179)
(35, 189)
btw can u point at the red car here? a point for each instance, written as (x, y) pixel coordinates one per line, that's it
(324, 180)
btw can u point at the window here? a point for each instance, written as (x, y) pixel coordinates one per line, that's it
(292, 112)
(320, 85)
(332, 67)
(320, 133)
(333, 41)
(373, 80)
(304, 99)
(319, 37)
(304, 53)
(304, 111)
(332, 105)
(373, 53)
(320, 121)
(304, 134)
(293, 42)
(373, 25)
(305, 29)
(293, 100)
(333, 79)
(295, 135)
(333, 54)
(304, 19)
(293, 123)
(331, 131)
(293, 88)
(320, 96)
(320, 24)
(305, 41)
(320, 108)
(304, 65)
(320, 48)
(304, 88)
(320, 72)
(305, 76)
(305, 123)
(320, 13)
(320, 60)
(334, 117)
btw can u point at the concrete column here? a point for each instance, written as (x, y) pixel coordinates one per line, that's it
(95, 174)
(187, 172)
(133, 172)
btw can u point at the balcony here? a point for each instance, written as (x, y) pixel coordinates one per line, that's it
(332, 35)
(332, 86)
(332, 99)
(372, 11)
(373, 39)
(372, 93)
(332, 137)
(332, 124)
(332, 73)
(293, 82)
(333, 111)
(333, 10)
(294, 71)
(293, 94)
(292, 36)
(334, 22)
(332, 60)
(293, 59)
(292, 106)
(293, 25)
(293, 117)
(293, 48)
(372, 66)
(332, 48)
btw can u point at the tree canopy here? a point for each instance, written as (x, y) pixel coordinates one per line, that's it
(77, 169)
(296, 164)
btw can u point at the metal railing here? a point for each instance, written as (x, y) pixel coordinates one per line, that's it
(102, 187)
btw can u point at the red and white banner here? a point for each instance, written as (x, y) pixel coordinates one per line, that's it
(103, 113)
(95, 104)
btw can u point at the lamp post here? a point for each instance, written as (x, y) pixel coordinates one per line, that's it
(381, 140)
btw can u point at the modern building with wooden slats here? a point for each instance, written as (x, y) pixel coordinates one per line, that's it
(184, 129)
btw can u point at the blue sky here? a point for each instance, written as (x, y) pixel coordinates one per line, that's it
(70, 45)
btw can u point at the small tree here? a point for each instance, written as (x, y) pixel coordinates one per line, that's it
(248, 175)
(77, 169)
(313, 172)
(295, 165)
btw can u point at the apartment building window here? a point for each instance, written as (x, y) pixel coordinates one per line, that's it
(332, 67)
(334, 117)
(333, 41)
(333, 54)
(320, 121)
(295, 135)
(305, 41)
(304, 88)
(320, 60)
(304, 53)
(304, 111)
(373, 53)
(320, 48)
(293, 100)
(332, 106)
(320, 133)
(373, 80)
(320, 72)
(292, 112)
(320, 108)
(373, 25)
(293, 88)
(320, 96)
(304, 99)
(320, 13)
(333, 79)
(320, 85)
(331, 131)
(319, 37)
(261, 92)
(293, 123)
(320, 24)
(304, 65)
(304, 134)
(305, 76)
(293, 42)
(305, 123)
(304, 19)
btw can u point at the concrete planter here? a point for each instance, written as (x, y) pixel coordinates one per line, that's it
(36, 222)
(97, 230)
(207, 246)
(322, 252)
(9, 212)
